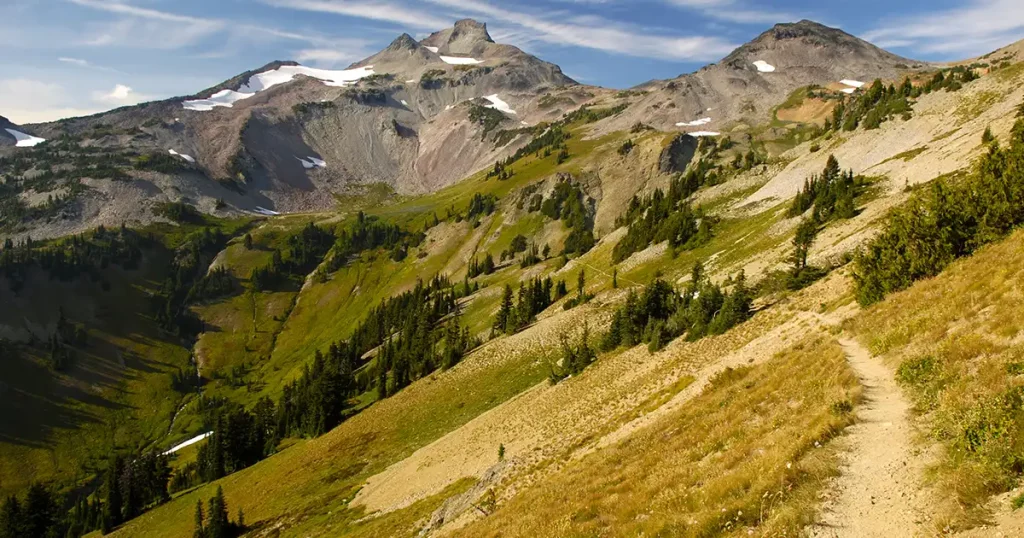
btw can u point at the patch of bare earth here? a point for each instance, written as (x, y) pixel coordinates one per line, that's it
(880, 492)
(548, 426)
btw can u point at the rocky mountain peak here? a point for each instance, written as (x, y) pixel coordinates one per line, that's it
(814, 45)
(469, 30)
(403, 42)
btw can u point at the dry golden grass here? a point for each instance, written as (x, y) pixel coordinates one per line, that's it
(956, 340)
(749, 454)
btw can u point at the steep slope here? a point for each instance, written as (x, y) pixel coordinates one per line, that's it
(288, 138)
(759, 75)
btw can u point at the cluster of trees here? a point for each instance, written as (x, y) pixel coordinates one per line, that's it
(368, 233)
(880, 103)
(661, 313)
(306, 249)
(656, 218)
(871, 108)
(517, 312)
(949, 220)
(132, 486)
(576, 356)
(585, 114)
(37, 515)
(481, 205)
(59, 163)
(569, 204)
(193, 257)
(487, 118)
(831, 194)
(217, 283)
(62, 342)
(180, 212)
(215, 523)
(484, 266)
(86, 254)
(162, 162)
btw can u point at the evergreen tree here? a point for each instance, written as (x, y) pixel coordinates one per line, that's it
(218, 525)
(200, 530)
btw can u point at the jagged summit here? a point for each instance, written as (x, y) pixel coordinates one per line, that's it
(403, 42)
(812, 44)
(466, 37)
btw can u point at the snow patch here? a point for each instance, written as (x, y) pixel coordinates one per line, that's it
(263, 211)
(460, 60)
(764, 66)
(268, 79)
(704, 133)
(25, 140)
(854, 83)
(498, 104)
(312, 162)
(432, 49)
(182, 155)
(410, 81)
(188, 443)
(848, 90)
(404, 103)
(694, 123)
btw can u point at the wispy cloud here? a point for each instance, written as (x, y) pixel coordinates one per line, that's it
(597, 33)
(979, 26)
(398, 14)
(735, 11)
(121, 95)
(86, 64)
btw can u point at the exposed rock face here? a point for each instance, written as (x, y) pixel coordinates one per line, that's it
(408, 125)
(394, 127)
(735, 90)
(677, 156)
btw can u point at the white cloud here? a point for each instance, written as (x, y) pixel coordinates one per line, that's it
(598, 33)
(735, 12)
(34, 101)
(121, 95)
(325, 57)
(377, 11)
(977, 27)
(74, 61)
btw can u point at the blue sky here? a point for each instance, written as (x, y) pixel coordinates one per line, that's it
(70, 57)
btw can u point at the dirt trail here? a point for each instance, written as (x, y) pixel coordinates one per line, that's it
(879, 491)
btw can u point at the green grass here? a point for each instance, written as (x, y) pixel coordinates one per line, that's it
(906, 156)
(750, 453)
(955, 341)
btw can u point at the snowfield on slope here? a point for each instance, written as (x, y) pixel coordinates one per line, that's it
(268, 79)
(188, 443)
(694, 123)
(498, 104)
(432, 49)
(460, 60)
(25, 140)
(312, 162)
(850, 82)
(764, 66)
(182, 155)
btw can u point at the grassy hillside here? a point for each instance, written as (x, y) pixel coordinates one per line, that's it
(116, 393)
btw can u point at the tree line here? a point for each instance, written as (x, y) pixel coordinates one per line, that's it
(661, 313)
(948, 220)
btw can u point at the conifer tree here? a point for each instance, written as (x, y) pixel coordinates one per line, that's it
(200, 530)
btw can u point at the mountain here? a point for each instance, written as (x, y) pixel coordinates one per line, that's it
(417, 116)
(408, 117)
(746, 84)
(624, 327)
